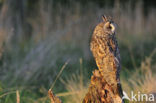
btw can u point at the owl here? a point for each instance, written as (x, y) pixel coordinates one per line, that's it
(106, 53)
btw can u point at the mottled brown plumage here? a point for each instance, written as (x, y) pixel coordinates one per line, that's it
(105, 50)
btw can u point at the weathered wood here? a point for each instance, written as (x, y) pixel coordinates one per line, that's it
(100, 91)
(53, 98)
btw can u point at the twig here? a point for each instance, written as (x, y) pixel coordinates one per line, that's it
(7, 93)
(68, 93)
(51, 96)
(17, 96)
(63, 67)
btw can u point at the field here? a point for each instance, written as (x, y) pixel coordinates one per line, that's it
(36, 46)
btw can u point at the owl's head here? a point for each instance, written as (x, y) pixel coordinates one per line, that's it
(109, 25)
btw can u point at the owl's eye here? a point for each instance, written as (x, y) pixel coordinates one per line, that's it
(112, 25)
(109, 27)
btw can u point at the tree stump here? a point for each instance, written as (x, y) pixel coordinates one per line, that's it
(100, 91)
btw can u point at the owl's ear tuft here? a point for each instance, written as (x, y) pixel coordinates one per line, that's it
(104, 18)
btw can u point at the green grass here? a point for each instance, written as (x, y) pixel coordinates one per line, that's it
(31, 64)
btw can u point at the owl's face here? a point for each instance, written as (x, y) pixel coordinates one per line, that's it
(109, 25)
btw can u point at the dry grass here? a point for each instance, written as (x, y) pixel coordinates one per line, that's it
(17, 96)
(56, 37)
(76, 91)
(75, 86)
(143, 79)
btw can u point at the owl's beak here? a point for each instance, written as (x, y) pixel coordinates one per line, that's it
(113, 27)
